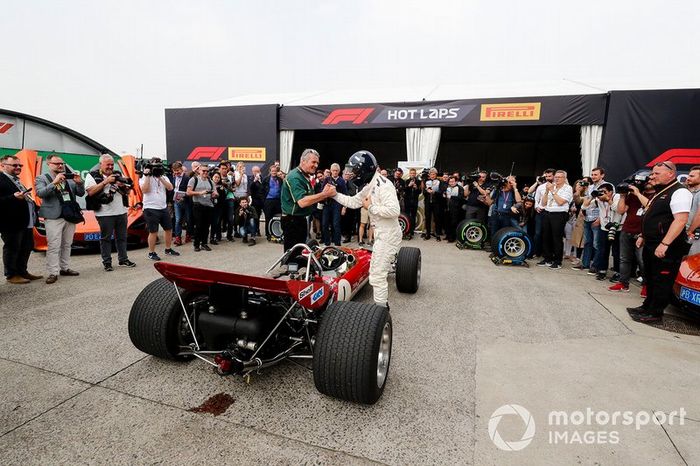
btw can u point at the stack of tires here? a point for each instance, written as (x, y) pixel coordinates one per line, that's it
(511, 244)
(471, 234)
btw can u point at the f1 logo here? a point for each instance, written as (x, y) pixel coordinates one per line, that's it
(5, 127)
(354, 115)
(211, 153)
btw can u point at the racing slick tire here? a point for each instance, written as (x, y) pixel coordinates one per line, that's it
(353, 351)
(408, 262)
(511, 243)
(472, 233)
(275, 228)
(405, 225)
(155, 320)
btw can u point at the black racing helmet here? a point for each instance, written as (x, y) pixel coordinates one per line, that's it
(363, 165)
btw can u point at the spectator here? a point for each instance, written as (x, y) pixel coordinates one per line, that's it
(154, 185)
(55, 188)
(632, 206)
(577, 234)
(241, 186)
(202, 191)
(317, 215)
(246, 218)
(504, 198)
(298, 199)
(455, 213)
(477, 199)
(348, 220)
(442, 206)
(663, 240)
(217, 213)
(693, 185)
(110, 202)
(257, 196)
(181, 202)
(526, 215)
(228, 202)
(555, 202)
(332, 210)
(432, 203)
(410, 200)
(399, 184)
(538, 189)
(272, 186)
(16, 229)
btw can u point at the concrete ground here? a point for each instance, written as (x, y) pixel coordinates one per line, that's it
(474, 338)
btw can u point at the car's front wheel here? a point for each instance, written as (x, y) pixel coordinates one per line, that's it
(353, 351)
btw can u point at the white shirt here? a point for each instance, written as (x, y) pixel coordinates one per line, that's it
(681, 200)
(539, 192)
(116, 207)
(566, 193)
(607, 211)
(155, 198)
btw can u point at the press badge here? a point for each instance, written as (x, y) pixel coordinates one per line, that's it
(66, 196)
(640, 212)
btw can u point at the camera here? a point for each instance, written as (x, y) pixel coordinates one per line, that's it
(584, 183)
(639, 181)
(541, 179)
(612, 228)
(424, 175)
(596, 193)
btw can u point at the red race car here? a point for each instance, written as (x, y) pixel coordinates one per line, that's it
(686, 289)
(300, 311)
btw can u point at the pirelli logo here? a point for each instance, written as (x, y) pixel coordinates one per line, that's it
(510, 112)
(247, 154)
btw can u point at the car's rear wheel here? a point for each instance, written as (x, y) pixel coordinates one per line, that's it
(353, 351)
(157, 324)
(408, 264)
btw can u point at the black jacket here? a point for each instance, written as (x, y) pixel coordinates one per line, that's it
(15, 215)
(257, 190)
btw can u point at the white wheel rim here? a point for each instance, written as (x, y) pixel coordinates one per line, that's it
(384, 355)
(474, 234)
(514, 247)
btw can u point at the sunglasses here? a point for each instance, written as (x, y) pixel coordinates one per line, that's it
(13, 164)
(57, 163)
(664, 164)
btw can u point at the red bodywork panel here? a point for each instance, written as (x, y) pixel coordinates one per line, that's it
(313, 294)
(688, 275)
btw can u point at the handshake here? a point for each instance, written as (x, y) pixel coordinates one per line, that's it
(329, 190)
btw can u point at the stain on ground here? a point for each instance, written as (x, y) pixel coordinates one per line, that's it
(216, 405)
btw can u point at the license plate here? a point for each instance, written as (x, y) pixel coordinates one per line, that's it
(92, 236)
(690, 296)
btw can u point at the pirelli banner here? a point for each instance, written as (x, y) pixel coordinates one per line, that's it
(550, 110)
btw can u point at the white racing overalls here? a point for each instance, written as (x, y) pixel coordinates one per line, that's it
(384, 217)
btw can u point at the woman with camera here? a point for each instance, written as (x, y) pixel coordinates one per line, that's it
(218, 210)
(202, 191)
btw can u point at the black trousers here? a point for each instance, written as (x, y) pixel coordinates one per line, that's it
(271, 208)
(259, 206)
(411, 209)
(659, 275)
(432, 212)
(295, 229)
(16, 250)
(553, 224)
(202, 220)
(109, 224)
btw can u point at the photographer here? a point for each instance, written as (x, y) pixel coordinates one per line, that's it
(632, 203)
(108, 196)
(432, 202)
(504, 198)
(272, 188)
(201, 190)
(591, 225)
(399, 184)
(455, 199)
(410, 200)
(246, 222)
(218, 211)
(525, 212)
(538, 190)
(154, 185)
(605, 202)
(478, 197)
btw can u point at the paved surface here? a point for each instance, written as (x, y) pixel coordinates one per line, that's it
(475, 337)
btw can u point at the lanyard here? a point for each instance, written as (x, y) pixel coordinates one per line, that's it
(658, 194)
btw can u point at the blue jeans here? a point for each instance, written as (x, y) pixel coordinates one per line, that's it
(331, 223)
(182, 214)
(537, 240)
(249, 228)
(498, 221)
(602, 248)
(590, 239)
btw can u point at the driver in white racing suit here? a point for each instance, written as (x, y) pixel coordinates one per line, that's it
(379, 198)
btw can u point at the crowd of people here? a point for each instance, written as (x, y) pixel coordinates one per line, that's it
(646, 229)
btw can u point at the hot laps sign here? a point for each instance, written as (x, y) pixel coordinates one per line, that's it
(432, 114)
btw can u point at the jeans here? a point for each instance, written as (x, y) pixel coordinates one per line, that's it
(249, 228)
(602, 256)
(331, 223)
(182, 215)
(630, 255)
(112, 224)
(590, 239)
(537, 239)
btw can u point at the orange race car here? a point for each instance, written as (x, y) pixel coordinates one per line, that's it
(686, 289)
(87, 234)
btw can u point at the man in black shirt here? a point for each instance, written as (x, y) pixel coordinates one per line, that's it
(411, 192)
(477, 198)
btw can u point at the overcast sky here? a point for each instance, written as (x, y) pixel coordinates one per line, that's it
(108, 69)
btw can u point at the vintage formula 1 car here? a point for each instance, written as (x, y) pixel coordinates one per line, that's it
(300, 311)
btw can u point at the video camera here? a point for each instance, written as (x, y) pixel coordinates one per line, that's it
(154, 167)
(424, 174)
(639, 181)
